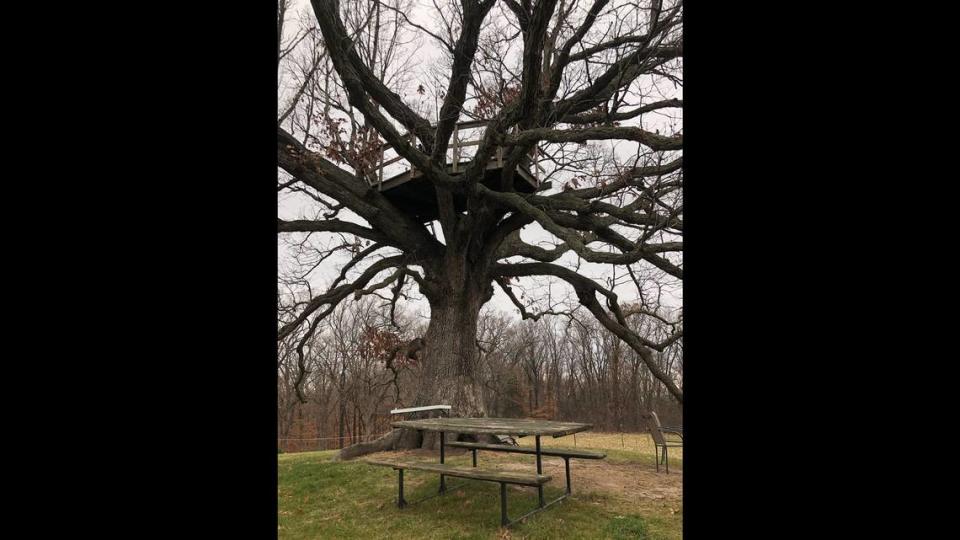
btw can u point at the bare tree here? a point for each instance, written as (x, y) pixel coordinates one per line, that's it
(561, 86)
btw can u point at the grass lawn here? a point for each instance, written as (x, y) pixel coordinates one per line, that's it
(618, 497)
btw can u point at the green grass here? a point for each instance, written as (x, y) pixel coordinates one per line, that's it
(319, 498)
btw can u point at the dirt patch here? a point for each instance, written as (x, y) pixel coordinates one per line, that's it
(629, 481)
(624, 480)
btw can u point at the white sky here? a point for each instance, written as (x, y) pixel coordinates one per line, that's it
(290, 206)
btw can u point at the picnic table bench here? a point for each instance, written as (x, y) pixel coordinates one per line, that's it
(496, 426)
(565, 453)
(504, 478)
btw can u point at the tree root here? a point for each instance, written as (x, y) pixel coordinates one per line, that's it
(407, 439)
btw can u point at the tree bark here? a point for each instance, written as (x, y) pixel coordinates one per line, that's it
(449, 363)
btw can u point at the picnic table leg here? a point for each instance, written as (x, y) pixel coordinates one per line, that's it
(400, 500)
(566, 462)
(503, 505)
(539, 472)
(443, 483)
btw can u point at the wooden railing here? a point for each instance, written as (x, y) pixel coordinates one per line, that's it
(376, 175)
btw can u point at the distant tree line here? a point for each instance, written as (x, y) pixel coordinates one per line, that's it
(359, 365)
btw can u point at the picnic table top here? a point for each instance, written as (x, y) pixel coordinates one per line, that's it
(500, 426)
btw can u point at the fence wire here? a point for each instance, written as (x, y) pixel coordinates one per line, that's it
(314, 444)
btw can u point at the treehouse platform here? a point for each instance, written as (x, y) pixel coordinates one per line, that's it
(411, 192)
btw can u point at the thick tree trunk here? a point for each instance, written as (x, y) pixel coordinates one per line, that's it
(449, 371)
(448, 368)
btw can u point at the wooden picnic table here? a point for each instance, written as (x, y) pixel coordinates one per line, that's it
(502, 426)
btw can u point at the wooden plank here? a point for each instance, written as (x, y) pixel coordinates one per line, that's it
(470, 124)
(424, 408)
(501, 426)
(556, 452)
(390, 161)
(467, 472)
(385, 146)
(525, 174)
(405, 176)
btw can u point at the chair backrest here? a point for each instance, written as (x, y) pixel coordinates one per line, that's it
(653, 424)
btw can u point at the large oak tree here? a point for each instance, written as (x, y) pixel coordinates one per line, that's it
(590, 89)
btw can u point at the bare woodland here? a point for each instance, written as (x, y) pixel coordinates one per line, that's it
(588, 96)
(555, 368)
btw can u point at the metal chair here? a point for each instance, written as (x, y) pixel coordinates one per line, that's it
(658, 433)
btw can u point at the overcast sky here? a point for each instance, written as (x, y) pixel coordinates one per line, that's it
(299, 207)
